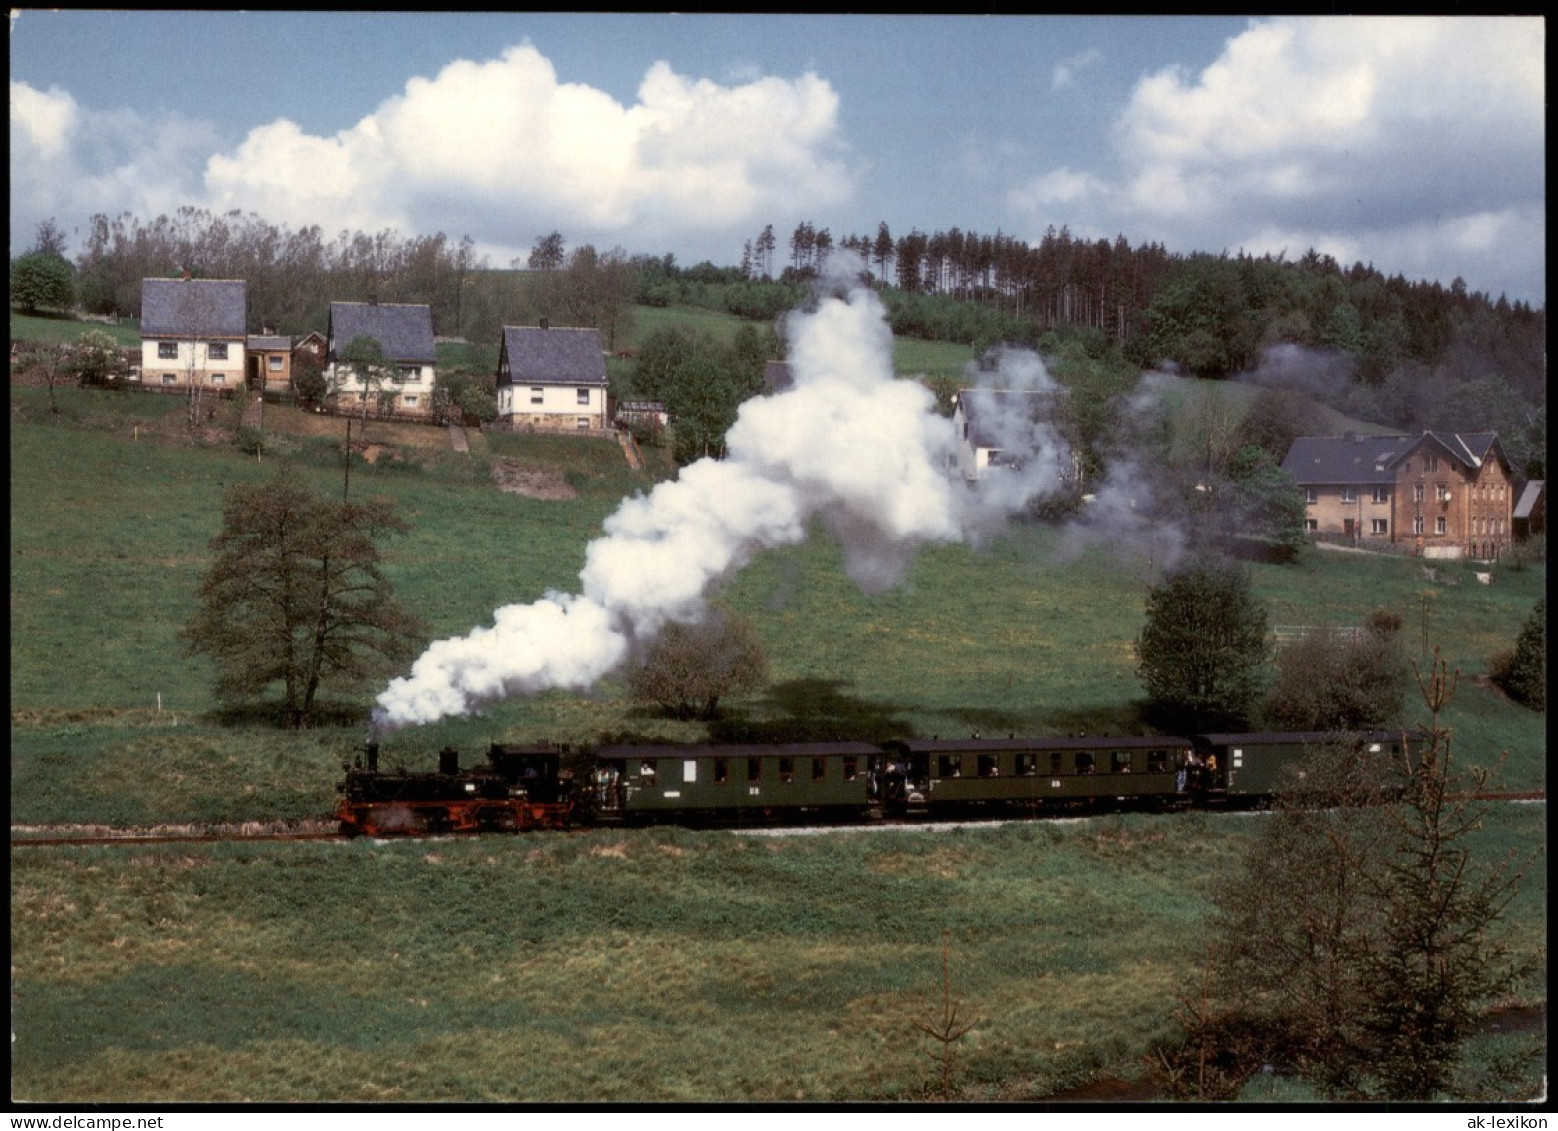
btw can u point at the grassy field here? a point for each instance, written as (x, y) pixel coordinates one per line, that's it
(659, 965)
(563, 967)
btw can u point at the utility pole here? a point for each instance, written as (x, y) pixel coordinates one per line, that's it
(346, 485)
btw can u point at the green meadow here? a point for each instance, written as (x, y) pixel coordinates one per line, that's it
(636, 965)
(658, 965)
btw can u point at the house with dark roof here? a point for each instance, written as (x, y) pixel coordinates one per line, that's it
(998, 427)
(552, 379)
(1443, 494)
(193, 332)
(270, 361)
(404, 332)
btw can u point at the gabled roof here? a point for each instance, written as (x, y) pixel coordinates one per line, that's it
(1372, 460)
(533, 355)
(1368, 460)
(269, 342)
(1525, 506)
(983, 409)
(209, 308)
(404, 330)
(1472, 449)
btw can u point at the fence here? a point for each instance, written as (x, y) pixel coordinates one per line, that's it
(1286, 634)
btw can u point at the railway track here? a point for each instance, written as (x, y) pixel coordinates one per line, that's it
(30, 836)
(40, 836)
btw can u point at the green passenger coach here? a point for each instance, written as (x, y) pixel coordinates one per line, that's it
(943, 774)
(729, 782)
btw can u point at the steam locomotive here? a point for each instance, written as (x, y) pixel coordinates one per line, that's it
(524, 787)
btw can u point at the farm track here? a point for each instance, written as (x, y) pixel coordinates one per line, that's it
(38, 836)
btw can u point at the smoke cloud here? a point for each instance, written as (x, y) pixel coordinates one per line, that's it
(848, 444)
(1014, 406)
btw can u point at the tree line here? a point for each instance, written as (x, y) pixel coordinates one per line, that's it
(293, 275)
(1410, 355)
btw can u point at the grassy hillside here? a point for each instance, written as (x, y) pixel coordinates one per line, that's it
(641, 965)
(31, 328)
(112, 513)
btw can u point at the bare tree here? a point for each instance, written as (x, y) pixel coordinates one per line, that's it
(946, 1025)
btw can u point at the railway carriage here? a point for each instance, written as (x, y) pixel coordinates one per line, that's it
(542, 786)
(1039, 773)
(724, 783)
(1247, 768)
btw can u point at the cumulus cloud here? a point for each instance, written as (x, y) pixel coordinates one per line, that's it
(488, 147)
(1369, 138)
(70, 161)
(500, 149)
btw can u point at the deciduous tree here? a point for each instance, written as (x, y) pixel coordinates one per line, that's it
(1203, 649)
(295, 597)
(691, 667)
(39, 281)
(1330, 680)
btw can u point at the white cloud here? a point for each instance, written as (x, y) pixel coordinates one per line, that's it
(1060, 187)
(491, 146)
(1065, 72)
(501, 150)
(42, 120)
(1416, 143)
(69, 161)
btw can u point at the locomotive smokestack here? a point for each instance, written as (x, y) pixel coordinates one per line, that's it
(373, 757)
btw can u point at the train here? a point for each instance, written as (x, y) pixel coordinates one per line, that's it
(541, 786)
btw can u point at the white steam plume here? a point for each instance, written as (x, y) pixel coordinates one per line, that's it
(848, 442)
(1014, 407)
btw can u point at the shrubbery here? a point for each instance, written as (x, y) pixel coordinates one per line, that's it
(1522, 671)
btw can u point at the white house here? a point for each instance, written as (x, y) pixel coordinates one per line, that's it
(552, 379)
(193, 332)
(404, 332)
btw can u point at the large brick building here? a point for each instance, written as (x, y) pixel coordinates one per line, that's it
(1444, 494)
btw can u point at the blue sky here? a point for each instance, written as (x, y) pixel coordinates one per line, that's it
(1413, 144)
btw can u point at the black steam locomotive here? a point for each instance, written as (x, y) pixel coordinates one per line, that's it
(543, 786)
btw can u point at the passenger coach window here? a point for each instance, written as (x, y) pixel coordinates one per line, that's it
(988, 766)
(950, 766)
(786, 769)
(1084, 763)
(1027, 764)
(1120, 762)
(754, 769)
(1057, 764)
(646, 770)
(1157, 761)
(851, 768)
(721, 771)
(819, 769)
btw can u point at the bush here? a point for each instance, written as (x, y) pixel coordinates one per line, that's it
(1522, 671)
(692, 666)
(1330, 681)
